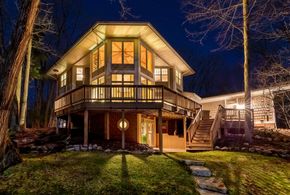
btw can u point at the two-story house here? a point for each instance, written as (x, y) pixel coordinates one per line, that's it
(124, 76)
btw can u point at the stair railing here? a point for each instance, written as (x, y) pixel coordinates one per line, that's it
(194, 125)
(216, 125)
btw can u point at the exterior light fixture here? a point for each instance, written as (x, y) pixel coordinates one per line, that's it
(123, 124)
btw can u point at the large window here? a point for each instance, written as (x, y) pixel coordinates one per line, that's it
(161, 74)
(99, 81)
(98, 93)
(178, 77)
(79, 74)
(145, 81)
(146, 59)
(123, 92)
(63, 80)
(98, 60)
(122, 52)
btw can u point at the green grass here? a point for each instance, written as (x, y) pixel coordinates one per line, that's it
(246, 173)
(102, 173)
(97, 173)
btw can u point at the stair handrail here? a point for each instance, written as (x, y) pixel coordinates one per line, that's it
(194, 125)
(216, 125)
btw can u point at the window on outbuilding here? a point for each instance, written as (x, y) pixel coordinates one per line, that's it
(122, 52)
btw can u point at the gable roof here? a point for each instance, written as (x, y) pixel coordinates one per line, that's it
(102, 30)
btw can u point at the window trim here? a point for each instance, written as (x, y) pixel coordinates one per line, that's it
(123, 51)
(80, 74)
(178, 79)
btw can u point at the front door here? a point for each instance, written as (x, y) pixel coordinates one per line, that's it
(147, 130)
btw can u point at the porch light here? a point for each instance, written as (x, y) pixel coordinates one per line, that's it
(123, 124)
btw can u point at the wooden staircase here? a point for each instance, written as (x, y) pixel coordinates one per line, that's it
(201, 139)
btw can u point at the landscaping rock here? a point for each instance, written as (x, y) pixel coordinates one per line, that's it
(108, 151)
(224, 148)
(99, 148)
(192, 162)
(252, 149)
(211, 183)
(244, 149)
(207, 192)
(269, 139)
(217, 148)
(84, 148)
(246, 144)
(200, 171)
(70, 149)
(257, 137)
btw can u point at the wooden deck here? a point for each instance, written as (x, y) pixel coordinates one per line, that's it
(107, 97)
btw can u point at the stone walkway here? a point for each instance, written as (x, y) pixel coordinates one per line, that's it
(206, 184)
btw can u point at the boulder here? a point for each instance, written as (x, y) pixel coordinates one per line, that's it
(200, 171)
(246, 144)
(252, 149)
(217, 148)
(108, 151)
(224, 148)
(257, 137)
(207, 192)
(99, 148)
(211, 183)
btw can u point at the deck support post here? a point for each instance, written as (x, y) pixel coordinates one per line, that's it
(86, 127)
(69, 124)
(184, 131)
(107, 125)
(123, 131)
(159, 128)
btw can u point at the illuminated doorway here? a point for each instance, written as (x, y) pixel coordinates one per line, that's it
(147, 131)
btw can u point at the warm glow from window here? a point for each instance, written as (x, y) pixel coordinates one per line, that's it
(178, 78)
(146, 59)
(145, 81)
(79, 74)
(128, 53)
(63, 80)
(98, 58)
(161, 74)
(123, 79)
(122, 52)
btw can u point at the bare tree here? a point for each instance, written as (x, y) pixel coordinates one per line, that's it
(230, 19)
(275, 81)
(14, 60)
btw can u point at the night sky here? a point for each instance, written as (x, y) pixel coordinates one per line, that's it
(167, 17)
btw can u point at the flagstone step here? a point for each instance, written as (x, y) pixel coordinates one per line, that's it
(192, 162)
(207, 192)
(212, 184)
(200, 171)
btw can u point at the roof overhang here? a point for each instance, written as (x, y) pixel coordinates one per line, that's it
(101, 31)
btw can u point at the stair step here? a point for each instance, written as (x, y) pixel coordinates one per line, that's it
(200, 171)
(212, 184)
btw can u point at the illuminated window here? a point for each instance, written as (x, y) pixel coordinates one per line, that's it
(98, 58)
(63, 80)
(79, 74)
(99, 81)
(122, 52)
(146, 59)
(161, 74)
(178, 77)
(122, 79)
(145, 81)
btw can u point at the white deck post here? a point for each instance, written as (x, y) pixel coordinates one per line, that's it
(159, 128)
(86, 127)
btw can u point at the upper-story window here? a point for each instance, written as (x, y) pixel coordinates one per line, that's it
(98, 58)
(99, 81)
(122, 52)
(122, 79)
(146, 59)
(63, 80)
(161, 74)
(178, 77)
(79, 74)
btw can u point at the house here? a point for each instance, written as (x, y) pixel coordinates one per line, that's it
(124, 80)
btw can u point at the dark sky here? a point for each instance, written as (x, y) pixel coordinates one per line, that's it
(167, 17)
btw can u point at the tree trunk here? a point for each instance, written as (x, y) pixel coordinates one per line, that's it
(248, 124)
(18, 92)
(23, 112)
(49, 105)
(21, 36)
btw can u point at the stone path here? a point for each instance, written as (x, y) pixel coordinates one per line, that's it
(206, 184)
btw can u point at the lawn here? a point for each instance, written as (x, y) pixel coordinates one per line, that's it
(103, 173)
(97, 173)
(246, 173)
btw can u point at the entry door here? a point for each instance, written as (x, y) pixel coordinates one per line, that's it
(147, 130)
